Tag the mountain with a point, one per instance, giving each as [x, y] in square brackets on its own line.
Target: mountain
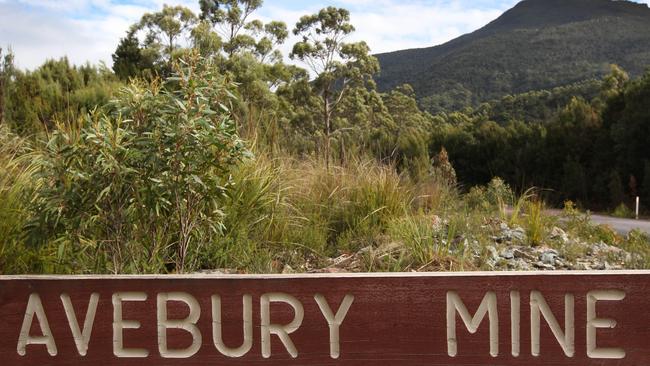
[538, 44]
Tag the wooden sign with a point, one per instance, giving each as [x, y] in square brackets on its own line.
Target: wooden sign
[579, 318]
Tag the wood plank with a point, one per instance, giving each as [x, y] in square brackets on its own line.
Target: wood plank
[392, 319]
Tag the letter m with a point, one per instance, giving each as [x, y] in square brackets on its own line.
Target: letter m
[488, 305]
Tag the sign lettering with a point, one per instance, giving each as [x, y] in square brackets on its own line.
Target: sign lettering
[400, 319]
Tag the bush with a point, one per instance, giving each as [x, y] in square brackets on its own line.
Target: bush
[623, 212]
[141, 189]
[495, 197]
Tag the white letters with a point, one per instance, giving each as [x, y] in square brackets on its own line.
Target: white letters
[515, 322]
[81, 338]
[566, 339]
[188, 324]
[289, 314]
[593, 323]
[35, 307]
[120, 324]
[282, 331]
[247, 315]
[488, 305]
[334, 321]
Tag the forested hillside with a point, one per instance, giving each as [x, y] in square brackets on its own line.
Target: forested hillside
[539, 44]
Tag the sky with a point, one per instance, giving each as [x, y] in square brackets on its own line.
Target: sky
[89, 30]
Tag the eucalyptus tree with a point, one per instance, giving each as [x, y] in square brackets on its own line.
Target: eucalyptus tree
[232, 20]
[248, 51]
[163, 29]
[336, 64]
[6, 72]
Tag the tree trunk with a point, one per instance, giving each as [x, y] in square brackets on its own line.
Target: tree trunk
[327, 131]
[171, 50]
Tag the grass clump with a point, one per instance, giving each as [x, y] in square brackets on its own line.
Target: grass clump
[18, 165]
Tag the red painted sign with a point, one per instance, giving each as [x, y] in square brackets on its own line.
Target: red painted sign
[579, 318]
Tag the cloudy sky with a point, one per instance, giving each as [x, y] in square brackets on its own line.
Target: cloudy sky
[89, 30]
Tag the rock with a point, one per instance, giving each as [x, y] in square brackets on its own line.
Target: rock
[559, 234]
[341, 261]
[330, 270]
[549, 257]
[602, 248]
[544, 266]
[218, 271]
[598, 266]
[612, 267]
[518, 234]
[507, 254]
[521, 253]
[388, 248]
[287, 269]
[580, 266]
[507, 234]
[364, 250]
[494, 255]
[519, 264]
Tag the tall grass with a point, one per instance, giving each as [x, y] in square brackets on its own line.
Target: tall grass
[17, 185]
[282, 211]
[353, 203]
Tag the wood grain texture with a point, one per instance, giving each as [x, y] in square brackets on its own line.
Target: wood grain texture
[396, 319]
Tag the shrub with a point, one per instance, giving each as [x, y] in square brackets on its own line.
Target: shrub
[624, 212]
[17, 185]
[141, 189]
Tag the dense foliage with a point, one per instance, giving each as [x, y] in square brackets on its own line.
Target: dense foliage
[144, 184]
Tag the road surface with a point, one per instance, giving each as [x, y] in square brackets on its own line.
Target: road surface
[622, 226]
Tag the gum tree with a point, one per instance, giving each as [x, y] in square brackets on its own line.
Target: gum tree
[232, 21]
[164, 28]
[6, 72]
[336, 64]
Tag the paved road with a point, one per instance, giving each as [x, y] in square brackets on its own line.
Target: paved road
[622, 226]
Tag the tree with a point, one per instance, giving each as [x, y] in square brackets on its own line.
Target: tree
[164, 28]
[247, 50]
[614, 83]
[442, 168]
[129, 60]
[230, 18]
[616, 190]
[237, 34]
[574, 180]
[6, 74]
[336, 64]
[408, 138]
